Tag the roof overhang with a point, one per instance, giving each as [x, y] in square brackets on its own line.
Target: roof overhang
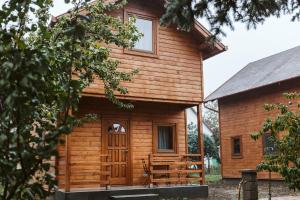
[209, 49]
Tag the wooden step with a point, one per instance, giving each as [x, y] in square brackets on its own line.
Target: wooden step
[136, 197]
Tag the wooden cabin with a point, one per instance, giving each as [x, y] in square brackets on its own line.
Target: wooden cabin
[148, 144]
[241, 111]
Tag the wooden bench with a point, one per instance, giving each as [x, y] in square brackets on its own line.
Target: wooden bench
[174, 168]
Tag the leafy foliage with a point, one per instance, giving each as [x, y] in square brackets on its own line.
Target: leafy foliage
[43, 73]
[285, 133]
[192, 138]
[210, 147]
[220, 13]
[211, 119]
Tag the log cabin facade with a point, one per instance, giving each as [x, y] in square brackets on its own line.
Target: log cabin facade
[241, 113]
[114, 149]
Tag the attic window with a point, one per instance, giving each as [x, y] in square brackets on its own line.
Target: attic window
[147, 25]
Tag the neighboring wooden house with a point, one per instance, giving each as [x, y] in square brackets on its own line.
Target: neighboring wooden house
[111, 150]
[241, 112]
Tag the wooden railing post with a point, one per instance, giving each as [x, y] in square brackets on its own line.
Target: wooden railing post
[105, 171]
[151, 170]
[108, 160]
[67, 163]
[200, 140]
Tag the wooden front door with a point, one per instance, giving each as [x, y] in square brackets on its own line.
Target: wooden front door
[115, 143]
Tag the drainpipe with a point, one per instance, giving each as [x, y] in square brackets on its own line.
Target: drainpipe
[208, 108]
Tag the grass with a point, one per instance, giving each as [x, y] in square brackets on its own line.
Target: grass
[212, 178]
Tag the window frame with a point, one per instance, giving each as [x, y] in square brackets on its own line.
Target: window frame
[235, 155]
[263, 144]
[146, 16]
[155, 138]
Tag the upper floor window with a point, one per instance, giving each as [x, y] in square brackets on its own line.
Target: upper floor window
[147, 25]
[144, 26]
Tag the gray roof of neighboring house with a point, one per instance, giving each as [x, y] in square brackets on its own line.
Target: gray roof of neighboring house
[276, 68]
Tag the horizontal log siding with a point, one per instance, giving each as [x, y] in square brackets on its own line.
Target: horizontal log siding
[175, 75]
[243, 115]
[86, 140]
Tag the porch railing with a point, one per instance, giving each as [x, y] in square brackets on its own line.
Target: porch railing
[105, 170]
[175, 169]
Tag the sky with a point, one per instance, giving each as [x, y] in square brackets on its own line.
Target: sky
[244, 46]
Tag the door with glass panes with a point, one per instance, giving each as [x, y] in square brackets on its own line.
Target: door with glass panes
[115, 140]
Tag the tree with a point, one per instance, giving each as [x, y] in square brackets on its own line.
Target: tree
[284, 131]
[193, 138]
[220, 13]
[211, 119]
[210, 147]
[43, 73]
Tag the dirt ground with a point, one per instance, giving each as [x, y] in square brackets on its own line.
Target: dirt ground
[228, 191]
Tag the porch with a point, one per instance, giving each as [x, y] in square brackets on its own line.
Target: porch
[146, 147]
[165, 176]
[135, 192]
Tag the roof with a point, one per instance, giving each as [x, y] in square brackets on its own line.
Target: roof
[209, 50]
[273, 69]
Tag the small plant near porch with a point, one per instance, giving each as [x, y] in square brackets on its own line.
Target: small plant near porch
[43, 72]
[284, 132]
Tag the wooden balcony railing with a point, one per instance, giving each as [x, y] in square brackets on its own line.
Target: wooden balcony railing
[175, 169]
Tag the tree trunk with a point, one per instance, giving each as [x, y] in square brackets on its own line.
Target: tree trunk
[208, 165]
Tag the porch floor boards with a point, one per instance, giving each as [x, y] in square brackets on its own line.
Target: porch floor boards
[121, 187]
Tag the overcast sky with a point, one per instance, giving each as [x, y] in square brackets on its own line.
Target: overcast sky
[244, 46]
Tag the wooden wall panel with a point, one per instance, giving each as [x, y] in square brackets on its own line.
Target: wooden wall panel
[243, 115]
[86, 140]
[175, 75]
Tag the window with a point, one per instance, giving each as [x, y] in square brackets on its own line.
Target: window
[236, 147]
[269, 146]
[147, 25]
[164, 138]
[116, 128]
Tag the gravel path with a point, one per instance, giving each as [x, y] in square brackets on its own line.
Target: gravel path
[223, 191]
[284, 198]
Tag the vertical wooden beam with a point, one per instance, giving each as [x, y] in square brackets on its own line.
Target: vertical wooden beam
[186, 132]
[200, 140]
[220, 139]
[199, 121]
[67, 162]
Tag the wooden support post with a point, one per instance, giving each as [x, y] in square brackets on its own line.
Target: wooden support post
[151, 171]
[200, 140]
[186, 132]
[67, 162]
